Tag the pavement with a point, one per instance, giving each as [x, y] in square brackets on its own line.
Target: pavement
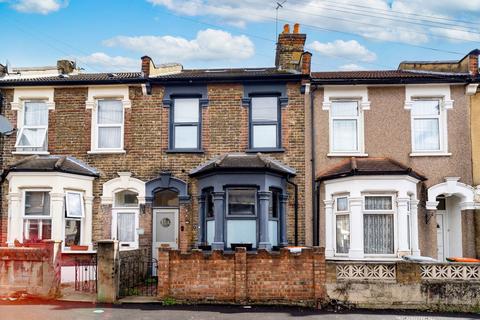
[58, 310]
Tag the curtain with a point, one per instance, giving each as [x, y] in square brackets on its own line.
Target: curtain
[425, 107]
[186, 110]
[186, 137]
[110, 112]
[265, 109]
[378, 233]
[426, 134]
[344, 108]
[126, 227]
[378, 203]
[109, 137]
[36, 114]
[345, 135]
[265, 136]
[242, 231]
[343, 233]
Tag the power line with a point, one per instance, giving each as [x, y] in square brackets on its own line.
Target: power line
[389, 13]
[376, 25]
[392, 13]
[382, 16]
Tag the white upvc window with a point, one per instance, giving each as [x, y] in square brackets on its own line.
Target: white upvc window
[37, 219]
[32, 135]
[186, 124]
[108, 126]
[346, 127]
[428, 126]
[379, 224]
[265, 123]
[74, 214]
[342, 225]
[125, 219]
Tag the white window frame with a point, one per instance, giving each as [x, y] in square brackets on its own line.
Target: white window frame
[96, 126]
[360, 151]
[340, 213]
[21, 123]
[81, 204]
[394, 214]
[175, 124]
[28, 217]
[119, 210]
[442, 127]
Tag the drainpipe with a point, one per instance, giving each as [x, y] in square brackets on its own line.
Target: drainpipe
[315, 213]
[295, 206]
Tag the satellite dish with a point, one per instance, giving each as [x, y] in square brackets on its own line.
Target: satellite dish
[6, 127]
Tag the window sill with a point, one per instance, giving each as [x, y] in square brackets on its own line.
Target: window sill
[352, 154]
[184, 151]
[68, 251]
[106, 152]
[31, 152]
[265, 150]
[430, 154]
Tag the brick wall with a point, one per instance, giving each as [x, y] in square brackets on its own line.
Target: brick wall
[224, 129]
[262, 277]
[35, 271]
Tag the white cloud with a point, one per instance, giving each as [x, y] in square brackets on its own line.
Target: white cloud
[208, 45]
[102, 62]
[38, 6]
[376, 19]
[343, 49]
[351, 67]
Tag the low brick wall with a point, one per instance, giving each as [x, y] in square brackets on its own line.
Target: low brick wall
[404, 285]
[34, 271]
[241, 277]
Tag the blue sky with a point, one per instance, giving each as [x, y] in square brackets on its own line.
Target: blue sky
[112, 35]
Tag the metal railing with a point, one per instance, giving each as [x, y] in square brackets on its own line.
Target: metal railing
[86, 275]
[138, 277]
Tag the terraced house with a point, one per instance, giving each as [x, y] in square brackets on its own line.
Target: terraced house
[162, 157]
[393, 161]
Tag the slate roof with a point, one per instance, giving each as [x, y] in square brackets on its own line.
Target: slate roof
[242, 161]
[367, 166]
[387, 77]
[74, 79]
[64, 164]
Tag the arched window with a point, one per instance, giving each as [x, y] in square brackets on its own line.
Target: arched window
[165, 198]
[126, 198]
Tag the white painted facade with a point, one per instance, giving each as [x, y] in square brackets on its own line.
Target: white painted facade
[403, 188]
[57, 184]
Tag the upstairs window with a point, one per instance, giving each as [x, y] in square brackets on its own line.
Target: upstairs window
[265, 123]
[32, 136]
[427, 126]
[345, 127]
[185, 129]
[109, 125]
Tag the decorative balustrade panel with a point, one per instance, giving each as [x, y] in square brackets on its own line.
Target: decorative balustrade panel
[450, 272]
[366, 272]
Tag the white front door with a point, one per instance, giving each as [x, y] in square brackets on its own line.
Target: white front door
[441, 235]
[165, 229]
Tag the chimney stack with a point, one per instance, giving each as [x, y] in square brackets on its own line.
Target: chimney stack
[66, 66]
[290, 53]
[146, 62]
[473, 66]
[3, 70]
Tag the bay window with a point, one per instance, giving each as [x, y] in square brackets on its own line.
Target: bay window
[427, 125]
[241, 216]
[342, 225]
[74, 214]
[345, 126]
[265, 123]
[32, 135]
[209, 215]
[273, 215]
[185, 124]
[378, 224]
[109, 125]
[37, 218]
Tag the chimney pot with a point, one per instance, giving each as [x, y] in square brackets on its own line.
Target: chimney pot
[296, 28]
[286, 28]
